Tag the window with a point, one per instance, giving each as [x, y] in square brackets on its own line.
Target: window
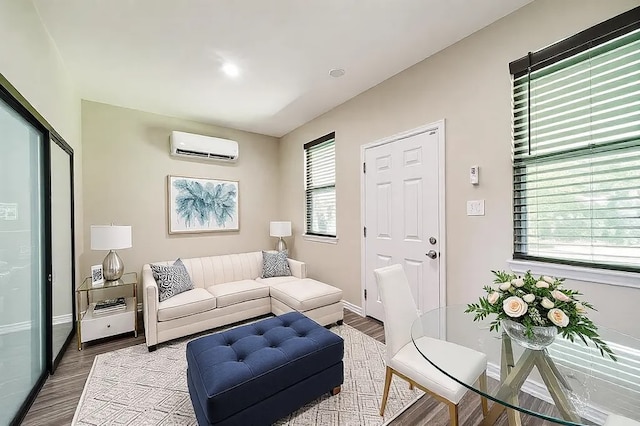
[320, 174]
[576, 148]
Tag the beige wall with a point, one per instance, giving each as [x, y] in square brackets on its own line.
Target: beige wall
[468, 85]
[29, 60]
[126, 163]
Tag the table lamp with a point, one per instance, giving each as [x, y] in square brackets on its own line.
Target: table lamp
[111, 237]
[280, 229]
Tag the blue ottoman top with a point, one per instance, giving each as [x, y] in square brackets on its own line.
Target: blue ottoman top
[235, 369]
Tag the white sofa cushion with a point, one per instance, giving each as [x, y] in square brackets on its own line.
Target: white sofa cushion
[238, 291]
[306, 294]
[184, 304]
[277, 280]
[207, 271]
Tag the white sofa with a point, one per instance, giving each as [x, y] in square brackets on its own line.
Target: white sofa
[227, 289]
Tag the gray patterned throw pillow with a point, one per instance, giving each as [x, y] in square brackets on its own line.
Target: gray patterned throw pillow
[171, 280]
[275, 264]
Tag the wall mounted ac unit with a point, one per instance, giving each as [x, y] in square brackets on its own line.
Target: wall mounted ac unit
[206, 147]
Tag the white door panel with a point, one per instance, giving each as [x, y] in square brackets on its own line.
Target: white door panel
[401, 214]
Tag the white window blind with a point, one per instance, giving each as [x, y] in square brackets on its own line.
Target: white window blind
[320, 179]
[576, 157]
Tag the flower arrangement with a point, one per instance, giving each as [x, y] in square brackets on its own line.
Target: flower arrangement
[538, 302]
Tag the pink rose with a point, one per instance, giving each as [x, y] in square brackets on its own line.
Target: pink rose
[517, 282]
[560, 296]
[542, 284]
[514, 307]
[546, 303]
[558, 317]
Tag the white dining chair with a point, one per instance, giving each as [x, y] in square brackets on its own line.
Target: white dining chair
[404, 360]
[615, 420]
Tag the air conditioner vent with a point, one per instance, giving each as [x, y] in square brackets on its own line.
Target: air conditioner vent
[204, 147]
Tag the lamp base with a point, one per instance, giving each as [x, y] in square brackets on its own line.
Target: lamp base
[112, 266]
[281, 245]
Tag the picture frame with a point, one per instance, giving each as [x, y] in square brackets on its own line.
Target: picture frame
[97, 277]
[198, 205]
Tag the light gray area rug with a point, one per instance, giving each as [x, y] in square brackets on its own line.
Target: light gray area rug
[134, 387]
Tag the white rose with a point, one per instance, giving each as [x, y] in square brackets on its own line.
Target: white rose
[518, 282]
[550, 280]
[560, 296]
[542, 284]
[546, 303]
[493, 297]
[505, 286]
[558, 317]
[580, 308]
[495, 287]
[529, 298]
[514, 306]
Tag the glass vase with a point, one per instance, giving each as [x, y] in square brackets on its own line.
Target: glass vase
[541, 338]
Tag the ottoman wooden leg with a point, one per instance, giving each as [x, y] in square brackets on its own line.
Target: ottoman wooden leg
[335, 391]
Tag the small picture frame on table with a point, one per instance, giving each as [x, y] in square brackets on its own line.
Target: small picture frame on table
[97, 278]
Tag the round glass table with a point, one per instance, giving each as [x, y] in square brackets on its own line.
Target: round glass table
[582, 386]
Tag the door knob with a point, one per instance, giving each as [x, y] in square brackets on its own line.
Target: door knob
[432, 254]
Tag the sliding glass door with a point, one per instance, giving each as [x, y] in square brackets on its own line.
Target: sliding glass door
[22, 268]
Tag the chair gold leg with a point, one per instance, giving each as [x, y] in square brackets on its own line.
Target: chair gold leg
[483, 387]
[410, 386]
[453, 413]
[387, 385]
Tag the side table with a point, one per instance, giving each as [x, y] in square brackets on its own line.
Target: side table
[92, 326]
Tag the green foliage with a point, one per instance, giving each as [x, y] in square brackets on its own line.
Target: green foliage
[546, 297]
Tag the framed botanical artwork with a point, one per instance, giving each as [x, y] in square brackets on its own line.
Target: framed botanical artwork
[202, 205]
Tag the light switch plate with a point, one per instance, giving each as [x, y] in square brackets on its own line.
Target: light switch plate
[475, 208]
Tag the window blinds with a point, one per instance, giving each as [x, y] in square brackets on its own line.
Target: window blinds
[321, 186]
[576, 157]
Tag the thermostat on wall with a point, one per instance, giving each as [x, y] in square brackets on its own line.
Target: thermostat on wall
[474, 175]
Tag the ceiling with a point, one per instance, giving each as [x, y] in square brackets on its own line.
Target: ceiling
[165, 56]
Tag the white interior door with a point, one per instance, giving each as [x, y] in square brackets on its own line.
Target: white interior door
[402, 217]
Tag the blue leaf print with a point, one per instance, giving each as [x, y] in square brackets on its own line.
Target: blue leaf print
[200, 203]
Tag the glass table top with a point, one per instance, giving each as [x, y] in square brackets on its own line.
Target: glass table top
[126, 280]
[587, 388]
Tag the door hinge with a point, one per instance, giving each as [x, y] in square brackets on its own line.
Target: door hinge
[365, 294]
[364, 167]
[365, 232]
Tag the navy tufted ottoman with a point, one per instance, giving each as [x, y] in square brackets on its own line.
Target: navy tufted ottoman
[260, 372]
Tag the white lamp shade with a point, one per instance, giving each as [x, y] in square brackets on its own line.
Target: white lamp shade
[280, 229]
[110, 237]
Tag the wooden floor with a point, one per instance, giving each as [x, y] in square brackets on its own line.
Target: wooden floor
[57, 401]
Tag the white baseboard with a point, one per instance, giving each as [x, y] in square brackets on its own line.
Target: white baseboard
[539, 390]
[353, 308]
[62, 319]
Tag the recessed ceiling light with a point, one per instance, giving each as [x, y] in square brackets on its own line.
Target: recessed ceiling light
[336, 72]
[230, 69]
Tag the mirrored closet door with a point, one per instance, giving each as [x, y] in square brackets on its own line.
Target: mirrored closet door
[62, 253]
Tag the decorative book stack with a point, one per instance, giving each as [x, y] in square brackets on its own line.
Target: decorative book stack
[109, 306]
